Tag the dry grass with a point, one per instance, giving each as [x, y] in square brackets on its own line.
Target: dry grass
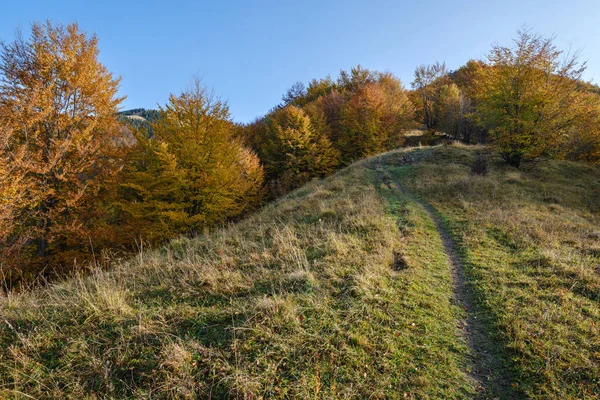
[301, 300]
[339, 290]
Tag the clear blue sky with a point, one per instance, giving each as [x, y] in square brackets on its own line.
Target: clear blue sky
[250, 52]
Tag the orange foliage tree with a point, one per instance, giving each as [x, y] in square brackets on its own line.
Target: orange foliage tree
[58, 108]
[374, 118]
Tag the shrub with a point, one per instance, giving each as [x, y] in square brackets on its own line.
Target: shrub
[480, 165]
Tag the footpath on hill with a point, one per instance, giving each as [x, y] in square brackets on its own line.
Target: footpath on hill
[486, 368]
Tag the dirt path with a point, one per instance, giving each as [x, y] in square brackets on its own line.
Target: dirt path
[492, 378]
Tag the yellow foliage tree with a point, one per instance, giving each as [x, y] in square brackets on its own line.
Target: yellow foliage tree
[58, 108]
[450, 109]
[191, 173]
[530, 100]
[295, 150]
[583, 141]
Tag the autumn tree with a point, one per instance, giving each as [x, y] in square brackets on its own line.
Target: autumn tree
[467, 78]
[318, 88]
[294, 150]
[449, 109]
[529, 100]
[191, 173]
[12, 198]
[374, 118]
[300, 95]
[427, 84]
[252, 134]
[58, 107]
[294, 95]
[355, 79]
[583, 139]
[328, 121]
[332, 104]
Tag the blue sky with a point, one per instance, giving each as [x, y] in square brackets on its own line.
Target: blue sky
[251, 52]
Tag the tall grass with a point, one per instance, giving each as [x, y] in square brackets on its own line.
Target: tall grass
[339, 290]
[302, 300]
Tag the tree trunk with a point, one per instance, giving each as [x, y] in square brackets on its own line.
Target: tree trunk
[42, 245]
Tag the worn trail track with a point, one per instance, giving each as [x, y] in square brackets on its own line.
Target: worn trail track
[492, 379]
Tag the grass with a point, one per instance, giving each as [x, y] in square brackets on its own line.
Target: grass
[338, 290]
[530, 241]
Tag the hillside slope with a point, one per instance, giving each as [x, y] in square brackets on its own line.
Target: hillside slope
[342, 289]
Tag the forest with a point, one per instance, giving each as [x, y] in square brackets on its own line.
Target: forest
[82, 184]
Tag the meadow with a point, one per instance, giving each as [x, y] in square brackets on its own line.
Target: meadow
[340, 289]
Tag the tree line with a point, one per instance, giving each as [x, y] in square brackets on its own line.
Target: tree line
[527, 101]
[79, 182]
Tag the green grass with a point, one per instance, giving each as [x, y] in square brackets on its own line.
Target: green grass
[338, 290]
[530, 241]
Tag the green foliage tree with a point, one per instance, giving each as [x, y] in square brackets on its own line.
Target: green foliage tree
[295, 95]
[355, 79]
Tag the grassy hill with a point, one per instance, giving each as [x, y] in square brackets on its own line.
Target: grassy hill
[402, 276]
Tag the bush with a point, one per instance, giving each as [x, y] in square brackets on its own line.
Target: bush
[480, 165]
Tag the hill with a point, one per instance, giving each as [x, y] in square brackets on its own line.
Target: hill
[140, 114]
[401, 276]
[139, 117]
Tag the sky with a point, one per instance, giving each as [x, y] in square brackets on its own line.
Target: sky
[251, 52]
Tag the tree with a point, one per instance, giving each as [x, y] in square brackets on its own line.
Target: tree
[318, 88]
[468, 78]
[12, 198]
[58, 107]
[253, 134]
[529, 100]
[426, 83]
[449, 109]
[583, 141]
[356, 79]
[331, 104]
[374, 118]
[363, 133]
[294, 151]
[192, 173]
[294, 94]
[398, 109]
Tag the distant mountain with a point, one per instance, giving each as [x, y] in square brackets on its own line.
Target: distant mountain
[137, 113]
[139, 117]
